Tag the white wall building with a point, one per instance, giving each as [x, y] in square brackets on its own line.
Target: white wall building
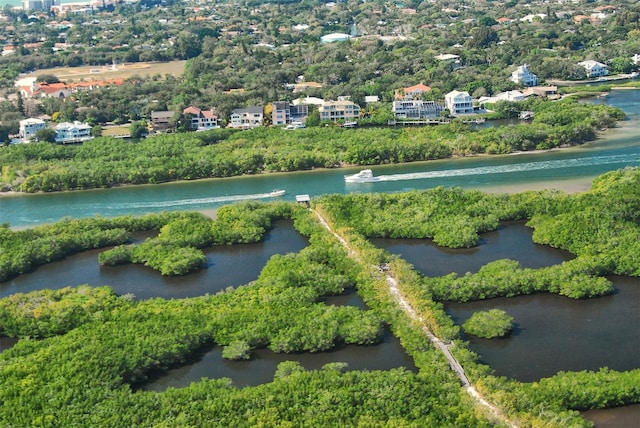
[202, 120]
[76, 132]
[29, 127]
[417, 109]
[246, 118]
[339, 110]
[524, 77]
[594, 68]
[458, 102]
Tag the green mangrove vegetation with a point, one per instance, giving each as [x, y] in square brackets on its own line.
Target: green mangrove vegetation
[489, 324]
[84, 352]
[87, 374]
[106, 162]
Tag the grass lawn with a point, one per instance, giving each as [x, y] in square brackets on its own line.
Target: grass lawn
[124, 71]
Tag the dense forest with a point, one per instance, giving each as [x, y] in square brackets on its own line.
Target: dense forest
[105, 162]
[85, 351]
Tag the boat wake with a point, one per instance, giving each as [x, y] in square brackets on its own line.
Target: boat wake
[625, 160]
[193, 202]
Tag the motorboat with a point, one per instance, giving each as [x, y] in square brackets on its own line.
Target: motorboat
[364, 176]
[277, 192]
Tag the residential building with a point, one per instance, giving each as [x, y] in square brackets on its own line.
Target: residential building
[76, 132]
[29, 127]
[417, 109]
[458, 102]
[309, 101]
[285, 113]
[452, 59]
[512, 96]
[202, 120]
[42, 90]
[541, 91]
[594, 68]
[339, 110]
[524, 77]
[162, 121]
[246, 118]
[635, 59]
[412, 92]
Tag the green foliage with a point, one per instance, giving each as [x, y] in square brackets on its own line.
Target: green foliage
[489, 324]
[237, 350]
[48, 313]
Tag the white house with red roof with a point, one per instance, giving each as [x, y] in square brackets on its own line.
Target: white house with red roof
[202, 120]
[412, 92]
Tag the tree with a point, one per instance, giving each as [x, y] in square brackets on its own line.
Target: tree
[47, 78]
[46, 134]
[138, 129]
[314, 118]
[96, 131]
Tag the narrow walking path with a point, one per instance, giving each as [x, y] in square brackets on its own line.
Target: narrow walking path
[445, 348]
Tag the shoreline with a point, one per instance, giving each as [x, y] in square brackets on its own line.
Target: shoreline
[13, 193]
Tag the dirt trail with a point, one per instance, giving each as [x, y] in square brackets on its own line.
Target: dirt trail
[445, 348]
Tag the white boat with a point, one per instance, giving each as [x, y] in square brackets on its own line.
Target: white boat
[364, 176]
[275, 193]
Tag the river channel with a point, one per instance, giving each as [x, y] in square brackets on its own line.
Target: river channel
[617, 148]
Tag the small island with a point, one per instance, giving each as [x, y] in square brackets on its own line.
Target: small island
[489, 324]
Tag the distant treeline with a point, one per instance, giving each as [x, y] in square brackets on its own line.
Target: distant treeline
[103, 162]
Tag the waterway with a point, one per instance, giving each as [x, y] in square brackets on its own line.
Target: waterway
[228, 265]
[260, 369]
[568, 168]
[553, 333]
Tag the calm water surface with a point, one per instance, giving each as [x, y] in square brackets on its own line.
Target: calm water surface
[384, 356]
[553, 333]
[229, 265]
[619, 417]
[511, 241]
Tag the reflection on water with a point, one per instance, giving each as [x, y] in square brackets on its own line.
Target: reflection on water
[555, 333]
[228, 265]
[7, 342]
[384, 356]
[619, 417]
[511, 241]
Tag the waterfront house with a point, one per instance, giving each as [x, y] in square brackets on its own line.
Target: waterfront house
[594, 68]
[76, 132]
[285, 113]
[339, 110]
[458, 102]
[201, 120]
[247, 118]
[549, 91]
[29, 127]
[417, 109]
[161, 121]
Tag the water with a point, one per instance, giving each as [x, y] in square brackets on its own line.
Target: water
[228, 265]
[617, 149]
[619, 417]
[511, 241]
[555, 333]
[386, 355]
